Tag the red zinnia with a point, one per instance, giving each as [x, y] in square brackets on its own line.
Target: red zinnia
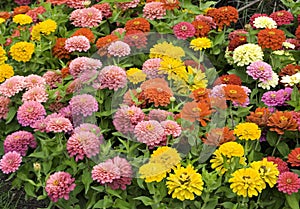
[21, 10]
[288, 182]
[235, 93]
[271, 38]
[85, 32]
[228, 79]
[138, 24]
[4, 15]
[223, 16]
[59, 50]
[290, 69]
[202, 28]
[297, 33]
[282, 121]
[294, 157]
[170, 4]
[201, 95]
[237, 41]
[282, 17]
[136, 38]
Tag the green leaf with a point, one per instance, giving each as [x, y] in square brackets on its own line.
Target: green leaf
[146, 200]
[121, 204]
[98, 188]
[293, 200]
[114, 192]
[38, 155]
[106, 202]
[283, 148]
[86, 180]
[29, 189]
[11, 114]
[272, 138]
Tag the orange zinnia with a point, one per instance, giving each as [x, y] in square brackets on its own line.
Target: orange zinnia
[201, 95]
[218, 103]
[21, 10]
[218, 136]
[65, 72]
[4, 15]
[138, 24]
[193, 111]
[202, 28]
[59, 50]
[260, 116]
[271, 38]
[223, 16]
[103, 43]
[294, 157]
[297, 33]
[85, 32]
[235, 93]
[290, 69]
[170, 4]
[228, 79]
[282, 121]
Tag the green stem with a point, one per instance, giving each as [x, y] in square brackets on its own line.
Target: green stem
[278, 141]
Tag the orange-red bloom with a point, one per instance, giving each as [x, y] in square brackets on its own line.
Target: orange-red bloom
[297, 33]
[218, 136]
[59, 50]
[170, 4]
[85, 32]
[290, 69]
[237, 41]
[21, 10]
[271, 38]
[260, 116]
[282, 121]
[223, 16]
[228, 79]
[294, 157]
[4, 15]
[138, 24]
[103, 43]
[65, 72]
[193, 111]
[202, 28]
[201, 95]
[57, 2]
[235, 93]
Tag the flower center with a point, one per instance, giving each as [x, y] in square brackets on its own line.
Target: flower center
[280, 14]
[136, 22]
[298, 156]
[273, 95]
[271, 33]
[283, 118]
[150, 127]
[233, 91]
[183, 28]
[55, 182]
[196, 109]
[289, 181]
[130, 112]
[261, 68]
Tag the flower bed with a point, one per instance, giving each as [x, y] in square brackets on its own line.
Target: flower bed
[156, 104]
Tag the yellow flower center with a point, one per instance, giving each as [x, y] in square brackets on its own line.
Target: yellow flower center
[150, 127]
[261, 68]
[280, 14]
[273, 95]
[289, 181]
[271, 33]
[233, 91]
[196, 109]
[283, 118]
[130, 112]
[136, 22]
[55, 183]
[298, 157]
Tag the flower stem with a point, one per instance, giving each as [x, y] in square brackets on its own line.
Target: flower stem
[278, 141]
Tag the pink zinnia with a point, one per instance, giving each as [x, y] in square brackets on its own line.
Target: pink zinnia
[126, 118]
[66, 112]
[149, 132]
[288, 182]
[209, 20]
[171, 128]
[59, 185]
[32, 81]
[30, 112]
[59, 124]
[184, 30]
[77, 43]
[296, 116]
[76, 4]
[154, 10]
[33, 13]
[159, 115]
[10, 162]
[84, 104]
[87, 17]
[12, 86]
[81, 64]
[112, 77]
[104, 8]
[40, 125]
[4, 107]
[127, 5]
[90, 128]
[106, 172]
[237, 33]
[22, 2]
[118, 49]
[151, 66]
[37, 94]
[281, 165]
[260, 70]
[282, 17]
[52, 77]
[125, 174]
[19, 141]
[83, 143]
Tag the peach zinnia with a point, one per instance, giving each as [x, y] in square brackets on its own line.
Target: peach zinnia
[282, 121]
[193, 111]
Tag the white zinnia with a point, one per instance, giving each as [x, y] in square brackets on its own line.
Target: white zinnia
[264, 22]
[291, 80]
[270, 83]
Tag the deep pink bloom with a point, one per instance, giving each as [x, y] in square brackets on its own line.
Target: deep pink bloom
[288, 182]
[87, 17]
[154, 10]
[59, 124]
[281, 165]
[126, 118]
[127, 5]
[282, 17]
[77, 43]
[104, 8]
[33, 13]
[149, 132]
[37, 94]
[296, 116]
[118, 49]
[52, 77]
[151, 66]
[66, 112]
[159, 115]
[171, 128]
[40, 125]
[4, 107]
[260, 70]
[19, 141]
[84, 104]
[33, 80]
[76, 4]
[82, 64]
[10, 162]
[111, 77]
[106, 172]
[59, 185]
[237, 33]
[273, 98]
[22, 2]
[30, 112]
[12, 86]
[184, 30]
[125, 174]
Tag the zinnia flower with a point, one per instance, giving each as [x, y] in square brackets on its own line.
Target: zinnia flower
[4, 106]
[10, 162]
[12, 86]
[59, 124]
[281, 165]
[151, 66]
[6, 71]
[59, 49]
[85, 32]
[159, 115]
[288, 182]
[22, 19]
[282, 121]
[260, 70]
[52, 77]
[294, 157]
[83, 105]
[153, 172]
[246, 182]
[136, 38]
[253, 17]
[282, 17]
[193, 111]
[127, 5]
[184, 30]
[19, 141]
[228, 79]
[138, 23]
[231, 149]
[76, 4]
[270, 83]
[46, 27]
[22, 51]
[59, 185]
[260, 116]
[246, 54]
[30, 112]
[135, 75]
[247, 131]
[271, 38]
[223, 16]
[154, 10]
[22, 2]
[106, 172]
[32, 81]
[105, 9]
[199, 44]
[219, 136]
[80, 65]
[264, 22]
[185, 183]
[37, 94]
[235, 93]
[87, 17]
[3, 57]
[171, 128]
[118, 49]
[201, 28]
[77, 43]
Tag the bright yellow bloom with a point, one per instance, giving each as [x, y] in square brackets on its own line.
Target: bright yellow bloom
[184, 183]
[247, 131]
[231, 149]
[2, 20]
[22, 51]
[246, 182]
[199, 79]
[3, 56]
[136, 75]
[167, 156]
[22, 19]
[199, 44]
[153, 172]
[6, 71]
[267, 170]
[46, 27]
[174, 68]
[166, 49]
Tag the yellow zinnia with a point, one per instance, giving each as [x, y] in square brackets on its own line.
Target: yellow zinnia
[267, 170]
[166, 49]
[3, 56]
[6, 71]
[184, 183]
[2, 20]
[46, 27]
[22, 51]
[136, 75]
[174, 68]
[247, 131]
[199, 44]
[231, 149]
[167, 156]
[199, 79]
[153, 172]
[22, 19]
[246, 182]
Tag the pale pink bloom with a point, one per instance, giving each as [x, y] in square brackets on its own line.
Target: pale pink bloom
[4, 107]
[128, 5]
[77, 43]
[30, 112]
[104, 8]
[10, 162]
[159, 115]
[151, 67]
[76, 4]
[171, 128]
[118, 49]
[82, 64]
[52, 78]
[106, 172]
[12, 86]
[87, 17]
[154, 10]
[37, 94]
[209, 20]
[32, 81]
[59, 124]
[84, 104]
[90, 128]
